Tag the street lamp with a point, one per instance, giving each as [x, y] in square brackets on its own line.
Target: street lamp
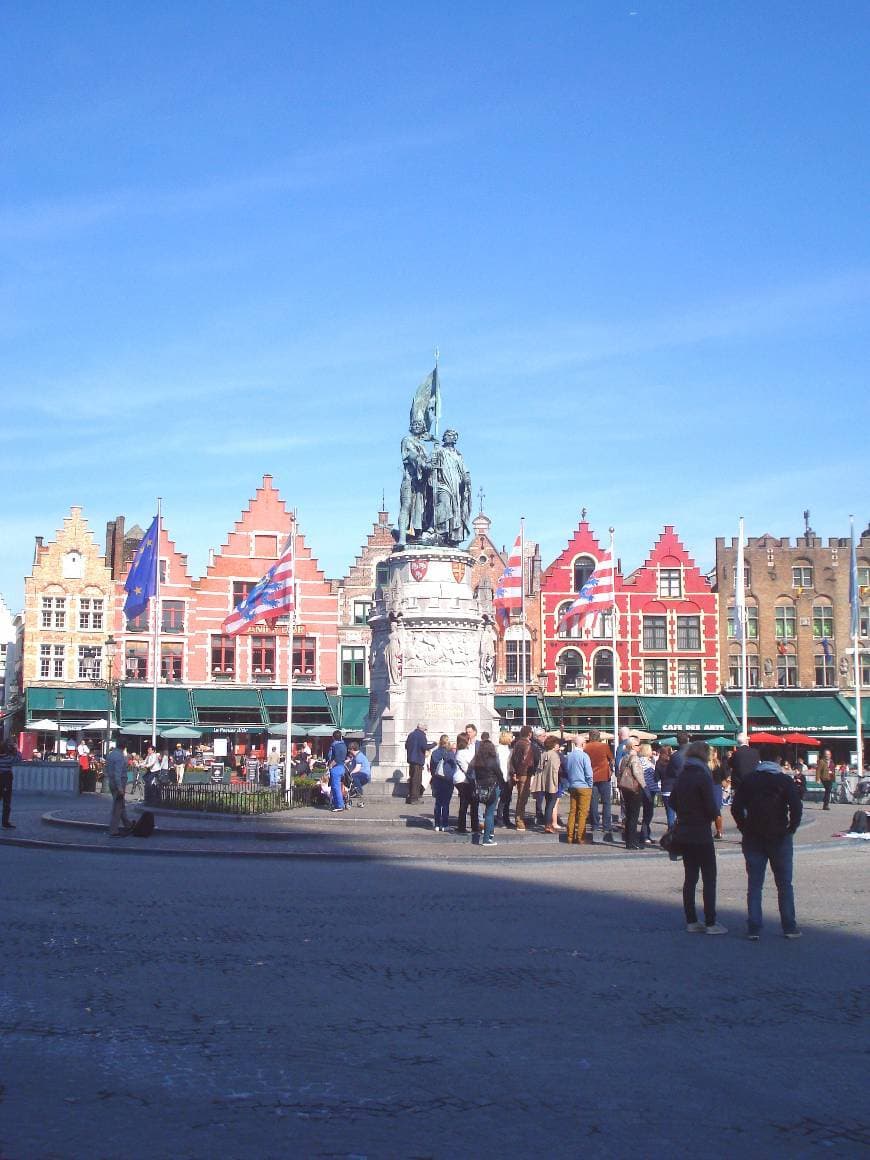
[109, 683]
[58, 702]
[561, 673]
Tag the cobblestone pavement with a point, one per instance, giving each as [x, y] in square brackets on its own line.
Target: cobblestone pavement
[420, 1004]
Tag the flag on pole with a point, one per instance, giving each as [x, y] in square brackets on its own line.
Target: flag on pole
[740, 592]
[854, 591]
[141, 582]
[509, 591]
[595, 595]
[274, 595]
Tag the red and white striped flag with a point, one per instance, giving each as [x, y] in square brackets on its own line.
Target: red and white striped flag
[509, 592]
[274, 595]
[595, 595]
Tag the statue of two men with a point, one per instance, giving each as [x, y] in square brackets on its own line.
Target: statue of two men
[435, 495]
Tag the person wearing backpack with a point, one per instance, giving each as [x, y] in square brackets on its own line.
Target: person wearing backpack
[767, 809]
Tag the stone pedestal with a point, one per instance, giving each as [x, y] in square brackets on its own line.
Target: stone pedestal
[432, 655]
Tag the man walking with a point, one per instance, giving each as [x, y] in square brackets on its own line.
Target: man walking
[598, 752]
[116, 772]
[767, 809]
[179, 760]
[416, 748]
[520, 766]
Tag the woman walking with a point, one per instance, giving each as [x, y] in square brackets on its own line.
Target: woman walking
[694, 802]
[442, 763]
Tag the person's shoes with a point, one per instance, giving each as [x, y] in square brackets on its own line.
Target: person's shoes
[753, 936]
[716, 928]
[608, 837]
[695, 928]
[359, 805]
[793, 933]
[9, 826]
[540, 822]
[718, 837]
[489, 842]
[338, 809]
[826, 807]
[521, 826]
[549, 830]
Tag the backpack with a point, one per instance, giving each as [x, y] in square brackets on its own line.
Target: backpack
[537, 754]
[766, 815]
[143, 827]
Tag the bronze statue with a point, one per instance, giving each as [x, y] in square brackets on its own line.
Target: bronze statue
[452, 487]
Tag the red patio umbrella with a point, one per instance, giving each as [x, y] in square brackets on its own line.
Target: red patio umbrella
[766, 739]
[801, 739]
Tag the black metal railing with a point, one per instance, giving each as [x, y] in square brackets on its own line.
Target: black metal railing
[217, 799]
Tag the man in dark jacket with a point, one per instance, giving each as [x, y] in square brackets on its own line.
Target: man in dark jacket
[692, 799]
[416, 748]
[9, 756]
[767, 809]
[743, 760]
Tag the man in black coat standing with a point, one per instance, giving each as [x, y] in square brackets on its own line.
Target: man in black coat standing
[743, 761]
[416, 748]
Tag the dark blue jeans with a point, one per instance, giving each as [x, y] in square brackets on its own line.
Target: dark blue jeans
[779, 852]
[601, 794]
[442, 788]
[489, 815]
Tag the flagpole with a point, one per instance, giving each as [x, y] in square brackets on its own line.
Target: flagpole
[856, 618]
[740, 608]
[525, 676]
[155, 673]
[291, 624]
[613, 634]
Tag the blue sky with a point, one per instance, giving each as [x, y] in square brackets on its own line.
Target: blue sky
[231, 235]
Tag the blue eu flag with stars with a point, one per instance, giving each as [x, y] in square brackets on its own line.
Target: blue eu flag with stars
[141, 584]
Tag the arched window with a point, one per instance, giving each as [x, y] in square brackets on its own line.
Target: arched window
[569, 669]
[573, 629]
[584, 566]
[602, 669]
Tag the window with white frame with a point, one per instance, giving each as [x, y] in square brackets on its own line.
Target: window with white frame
[51, 661]
[785, 622]
[751, 621]
[655, 677]
[746, 578]
[826, 670]
[786, 671]
[584, 566]
[802, 576]
[54, 612]
[689, 678]
[136, 660]
[823, 621]
[382, 574]
[688, 633]
[139, 623]
[570, 662]
[655, 633]
[516, 656]
[304, 657]
[223, 656]
[90, 614]
[602, 670]
[735, 675]
[171, 660]
[670, 582]
[571, 629]
[864, 620]
[263, 658]
[90, 658]
[602, 625]
[172, 616]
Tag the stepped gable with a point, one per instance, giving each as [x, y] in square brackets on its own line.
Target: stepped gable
[667, 552]
[557, 575]
[489, 562]
[265, 513]
[379, 543]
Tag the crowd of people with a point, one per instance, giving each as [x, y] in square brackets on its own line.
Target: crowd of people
[693, 782]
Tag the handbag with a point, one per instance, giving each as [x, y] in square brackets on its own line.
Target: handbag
[439, 768]
[627, 779]
[486, 796]
[459, 777]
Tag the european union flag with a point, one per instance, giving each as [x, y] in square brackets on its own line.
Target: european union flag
[141, 583]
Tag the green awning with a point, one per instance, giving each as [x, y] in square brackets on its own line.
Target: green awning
[173, 705]
[40, 701]
[232, 708]
[593, 712]
[761, 710]
[510, 709]
[310, 706]
[817, 713]
[354, 710]
[865, 709]
[688, 714]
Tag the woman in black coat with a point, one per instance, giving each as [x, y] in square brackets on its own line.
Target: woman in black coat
[694, 803]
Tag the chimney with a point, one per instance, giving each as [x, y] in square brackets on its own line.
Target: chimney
[37, 550]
